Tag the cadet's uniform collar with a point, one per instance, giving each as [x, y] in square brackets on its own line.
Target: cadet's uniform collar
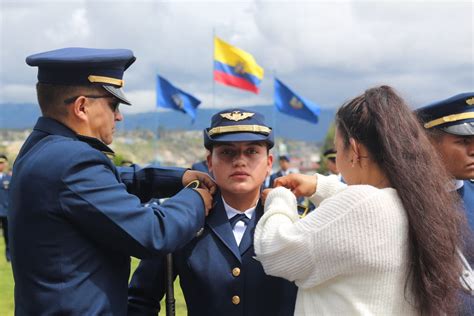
[52, 126]
[458, 184]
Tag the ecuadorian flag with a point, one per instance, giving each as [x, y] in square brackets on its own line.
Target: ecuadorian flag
[235, 67]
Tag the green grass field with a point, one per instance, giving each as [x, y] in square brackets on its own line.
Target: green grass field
[6, 287]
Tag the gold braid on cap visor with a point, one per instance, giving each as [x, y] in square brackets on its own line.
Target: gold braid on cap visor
[109, 80]
[239, 128]
[449, 118]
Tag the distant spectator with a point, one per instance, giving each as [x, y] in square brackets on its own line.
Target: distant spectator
[331, 164]
[284, 162]
[4, 184]
[330, 157]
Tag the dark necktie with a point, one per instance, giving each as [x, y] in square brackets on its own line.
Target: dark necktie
[239, 217]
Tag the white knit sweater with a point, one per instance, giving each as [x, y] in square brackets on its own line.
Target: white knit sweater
[348, 257]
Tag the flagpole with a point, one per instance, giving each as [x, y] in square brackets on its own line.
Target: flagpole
[274, 120]
[158, 136]
[213, 81]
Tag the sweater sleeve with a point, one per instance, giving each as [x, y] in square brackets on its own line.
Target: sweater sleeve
[327, 187]
[330, 241]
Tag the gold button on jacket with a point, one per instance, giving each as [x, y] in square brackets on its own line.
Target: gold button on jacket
[235, 299]
[236, 272]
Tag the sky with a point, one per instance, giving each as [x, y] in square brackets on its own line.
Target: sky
[326, 51]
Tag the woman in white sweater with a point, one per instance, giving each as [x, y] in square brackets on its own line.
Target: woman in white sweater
[383, 245]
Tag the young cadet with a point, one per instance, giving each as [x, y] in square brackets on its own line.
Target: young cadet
[450, 126]
[217, 270]
[75, 220]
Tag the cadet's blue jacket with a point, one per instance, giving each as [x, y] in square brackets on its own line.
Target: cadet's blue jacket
[467, 194]
[4, 185]
[74, 223]
[213, 272]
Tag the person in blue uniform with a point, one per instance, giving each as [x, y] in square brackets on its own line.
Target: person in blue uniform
[75, 219]
[284, 162]
[4, 184]
[450, 125]
[217, 270]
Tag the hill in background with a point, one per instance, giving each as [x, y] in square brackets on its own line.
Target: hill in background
[23, 116]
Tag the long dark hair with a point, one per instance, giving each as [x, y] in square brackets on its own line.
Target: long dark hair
[381, 121]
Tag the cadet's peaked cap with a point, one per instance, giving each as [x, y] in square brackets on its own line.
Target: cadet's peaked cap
[83, 66]
[454, 115]
[237, 125]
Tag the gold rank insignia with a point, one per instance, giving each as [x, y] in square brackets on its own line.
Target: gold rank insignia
[470, 101]
[237, 115]
[295, 103]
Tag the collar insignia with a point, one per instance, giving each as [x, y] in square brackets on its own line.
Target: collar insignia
[237, 115]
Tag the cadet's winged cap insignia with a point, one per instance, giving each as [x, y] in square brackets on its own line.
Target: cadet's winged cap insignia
[237, 115]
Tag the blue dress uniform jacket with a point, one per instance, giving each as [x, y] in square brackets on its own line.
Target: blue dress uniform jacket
[467, 194]
[217, 276]
[4, 185]
[74, 226]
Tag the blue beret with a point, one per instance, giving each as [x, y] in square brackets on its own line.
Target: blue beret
[237, 125]
[84, 66]
[454, 115]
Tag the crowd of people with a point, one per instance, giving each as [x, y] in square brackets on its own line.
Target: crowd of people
[390, 234]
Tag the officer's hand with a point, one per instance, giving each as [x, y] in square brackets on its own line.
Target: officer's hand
[299, 184]
[205, 181]
[207, 198]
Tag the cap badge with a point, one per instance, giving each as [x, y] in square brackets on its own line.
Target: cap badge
[295, 103]
[237, 115]
[470, 101]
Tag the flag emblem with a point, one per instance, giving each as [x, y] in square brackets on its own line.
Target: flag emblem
[295, 103]
[177, 100]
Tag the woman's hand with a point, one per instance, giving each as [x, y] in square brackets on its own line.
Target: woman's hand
[299, 184]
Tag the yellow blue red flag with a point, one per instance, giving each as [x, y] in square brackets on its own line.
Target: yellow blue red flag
[235, 67]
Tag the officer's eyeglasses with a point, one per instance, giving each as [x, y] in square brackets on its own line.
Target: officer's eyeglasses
[113, 106]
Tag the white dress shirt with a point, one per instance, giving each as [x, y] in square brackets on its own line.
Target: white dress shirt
[239, 228]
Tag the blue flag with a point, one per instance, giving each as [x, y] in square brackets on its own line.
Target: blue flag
[168, 96]
[292, 104]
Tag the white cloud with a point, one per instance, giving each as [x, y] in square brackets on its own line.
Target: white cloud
[326, 51]
[9, 93]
